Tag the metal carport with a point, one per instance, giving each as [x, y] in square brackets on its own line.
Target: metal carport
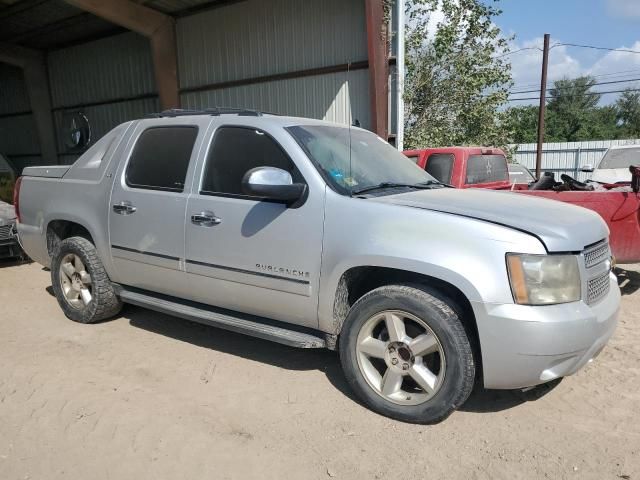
[71, 70]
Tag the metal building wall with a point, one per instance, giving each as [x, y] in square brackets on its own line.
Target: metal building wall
[18, 140]
[225, 45]
[567, 157]
[13, 91]
[109, 80]
[224, 55]
[336, 97]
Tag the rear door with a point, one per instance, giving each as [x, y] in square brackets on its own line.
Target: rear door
[148, 203]
[254, 256]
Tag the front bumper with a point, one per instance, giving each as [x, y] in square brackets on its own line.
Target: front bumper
[525, 345]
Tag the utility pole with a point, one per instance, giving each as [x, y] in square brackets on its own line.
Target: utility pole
[400, 74]
[543, 104]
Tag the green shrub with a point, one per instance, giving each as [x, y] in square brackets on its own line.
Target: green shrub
[6, 188]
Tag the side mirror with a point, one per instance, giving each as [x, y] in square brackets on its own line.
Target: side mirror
[587, 168]
[272, 183]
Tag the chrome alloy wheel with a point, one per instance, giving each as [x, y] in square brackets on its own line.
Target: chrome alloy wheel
[75, 281]
[400, 357]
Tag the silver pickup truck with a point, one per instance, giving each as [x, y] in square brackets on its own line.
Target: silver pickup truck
[318, 235]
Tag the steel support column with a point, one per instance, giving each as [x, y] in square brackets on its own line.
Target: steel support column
[378, 53]
[157, 27]
[32, 63]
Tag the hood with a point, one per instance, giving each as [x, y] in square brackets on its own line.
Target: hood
[612, 175]
[7, 214]
[562, 227]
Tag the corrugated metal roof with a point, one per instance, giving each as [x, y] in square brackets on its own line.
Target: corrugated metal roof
[82, 28]
[19, 24]
[50, 24]
[39, 15]
[177, 6]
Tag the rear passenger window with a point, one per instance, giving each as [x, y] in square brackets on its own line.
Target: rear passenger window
[440, 166]
[486, 169]
[161, 157]
[235, 151]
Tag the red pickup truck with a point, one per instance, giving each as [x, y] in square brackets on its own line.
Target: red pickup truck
[476, 167]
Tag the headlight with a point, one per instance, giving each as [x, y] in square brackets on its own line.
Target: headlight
[544, 279]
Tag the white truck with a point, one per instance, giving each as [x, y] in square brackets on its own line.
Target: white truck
[317, 235]
[614, 165]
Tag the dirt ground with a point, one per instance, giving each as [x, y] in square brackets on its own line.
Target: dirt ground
[147, 396]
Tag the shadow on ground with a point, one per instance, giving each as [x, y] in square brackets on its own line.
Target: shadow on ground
[628, 280]
[239, 345]
[289, 358]
[13, 262]
[483, 401]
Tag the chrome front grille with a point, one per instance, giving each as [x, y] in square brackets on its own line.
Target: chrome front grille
[598, 287]
[596, 254]
[6, 232]
[598, 266]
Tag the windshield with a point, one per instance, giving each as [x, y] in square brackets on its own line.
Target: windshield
[620, 158]
[520, 174]
[372, 161]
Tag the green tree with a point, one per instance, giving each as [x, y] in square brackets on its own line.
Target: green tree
[458, 81]
[628, 113]
[572, 111]
[572, 115]
[523, 122]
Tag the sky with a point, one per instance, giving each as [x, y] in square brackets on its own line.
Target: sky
[602, 23]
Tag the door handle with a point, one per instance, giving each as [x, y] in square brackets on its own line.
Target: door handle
[124, 208]
[205, 219]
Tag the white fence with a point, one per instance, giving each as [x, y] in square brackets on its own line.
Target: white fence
[567, 157]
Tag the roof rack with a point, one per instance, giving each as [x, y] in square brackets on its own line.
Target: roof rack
[180, 112]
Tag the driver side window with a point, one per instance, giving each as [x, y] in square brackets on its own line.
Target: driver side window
[236, 150]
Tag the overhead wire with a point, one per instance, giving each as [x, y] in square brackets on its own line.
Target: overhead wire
[583, 94]
[612, 74]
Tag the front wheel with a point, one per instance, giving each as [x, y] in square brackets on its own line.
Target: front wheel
[406, 354]
[82, 287]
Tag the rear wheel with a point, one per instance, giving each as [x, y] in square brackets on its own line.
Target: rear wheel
[405, 352]
[82, 287]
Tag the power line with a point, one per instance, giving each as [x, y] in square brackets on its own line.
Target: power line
[593, 47]
[621, 73]
[569, 86]
[583, 94]
[518, 50]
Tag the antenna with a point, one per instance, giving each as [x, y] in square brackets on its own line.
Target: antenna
[349, 120]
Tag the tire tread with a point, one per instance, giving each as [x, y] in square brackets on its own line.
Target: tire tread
[434, 299]
[106, 302]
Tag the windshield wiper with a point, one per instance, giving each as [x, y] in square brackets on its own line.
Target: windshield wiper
[383, 185]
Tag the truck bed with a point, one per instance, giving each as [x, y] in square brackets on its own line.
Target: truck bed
[51, 171]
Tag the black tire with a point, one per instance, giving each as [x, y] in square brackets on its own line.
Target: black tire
[438, 313]
[104, 301]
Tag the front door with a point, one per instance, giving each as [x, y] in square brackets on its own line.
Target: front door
[147, 208]
[245, 254]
